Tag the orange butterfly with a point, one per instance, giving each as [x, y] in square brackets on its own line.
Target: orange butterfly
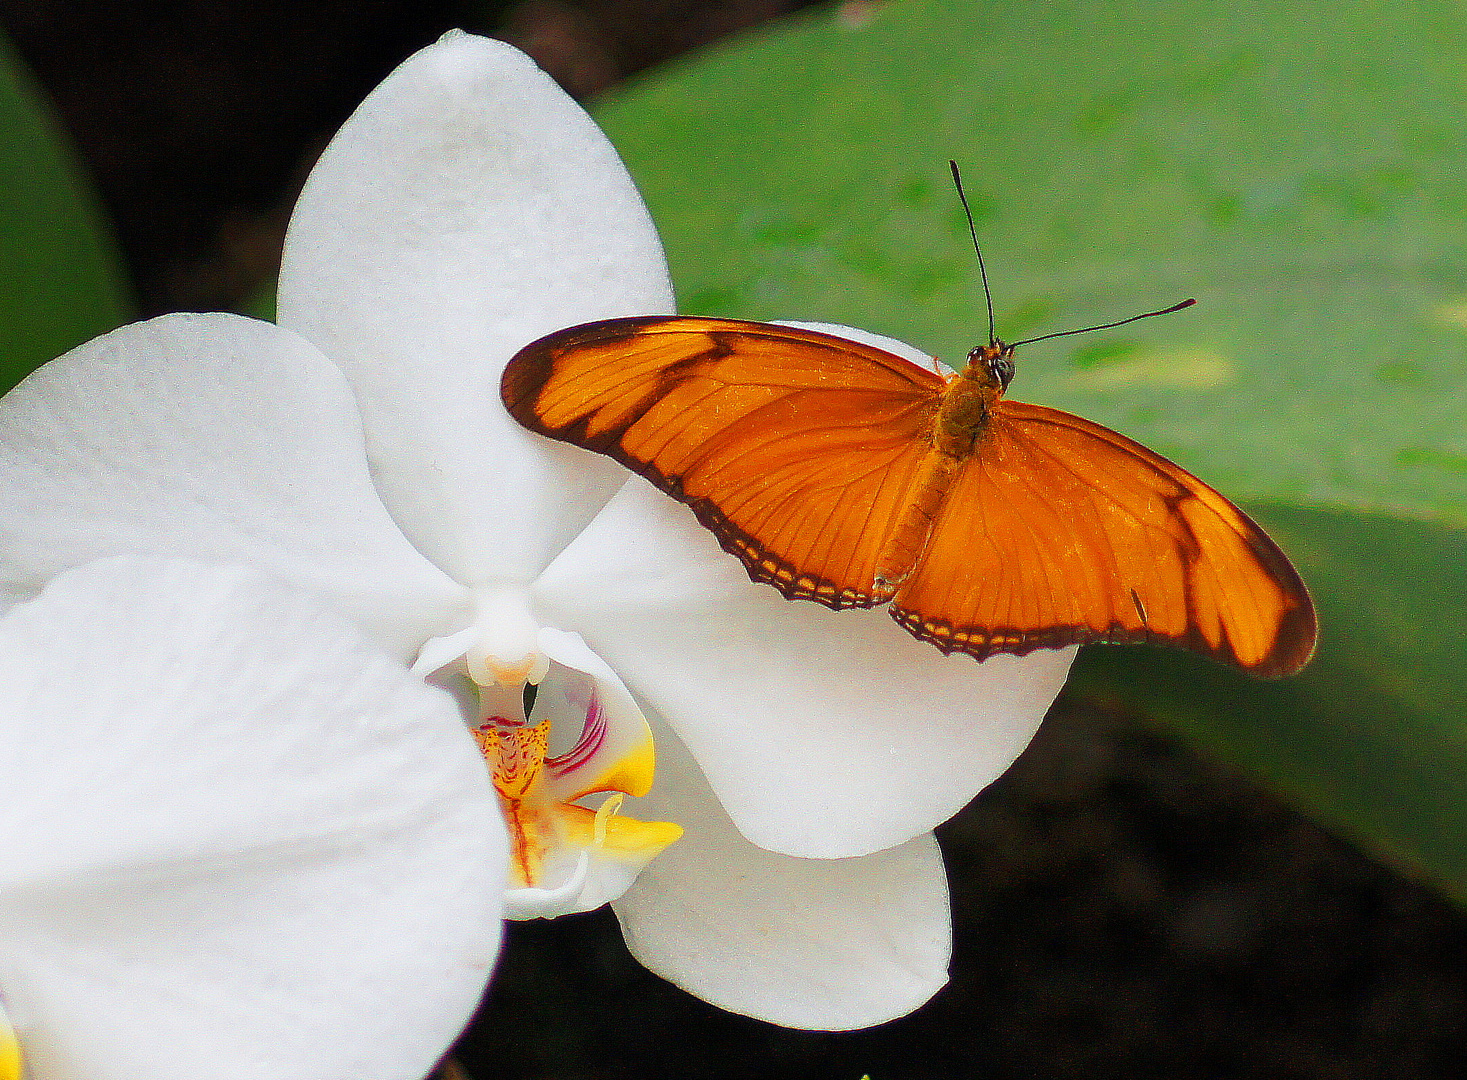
[841, 473]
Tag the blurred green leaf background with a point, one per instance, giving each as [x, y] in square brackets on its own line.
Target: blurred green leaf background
[61, 278]
[1296, 167]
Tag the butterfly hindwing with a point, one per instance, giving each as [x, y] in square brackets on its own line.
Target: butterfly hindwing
[1059, 531]
[796, 448]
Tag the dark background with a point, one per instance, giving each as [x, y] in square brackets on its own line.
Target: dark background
[1122, 908]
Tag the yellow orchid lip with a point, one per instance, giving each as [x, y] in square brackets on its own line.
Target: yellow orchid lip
[541, 821]
[616, 834]
[12, 1064]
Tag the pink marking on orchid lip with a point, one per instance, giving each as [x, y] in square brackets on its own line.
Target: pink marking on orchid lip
[501, 722]
[593, 735]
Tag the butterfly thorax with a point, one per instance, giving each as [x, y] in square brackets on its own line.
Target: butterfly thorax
[968, 400]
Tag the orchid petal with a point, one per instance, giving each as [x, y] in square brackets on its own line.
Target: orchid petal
[236, 840]
[808, 943]
[210, 437]
[880, 341]
[825, 734]
[468, 207]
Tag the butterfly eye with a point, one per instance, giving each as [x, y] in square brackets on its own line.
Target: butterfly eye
[996, 363]
[1001, 369]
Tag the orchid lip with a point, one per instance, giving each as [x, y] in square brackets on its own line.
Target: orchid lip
[12, 1061]
[591, 739]
[531, 901]
[594, 853]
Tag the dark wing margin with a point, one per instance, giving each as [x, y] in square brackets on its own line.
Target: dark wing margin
[1060, 531]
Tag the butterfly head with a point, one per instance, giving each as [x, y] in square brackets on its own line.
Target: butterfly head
[992, 365]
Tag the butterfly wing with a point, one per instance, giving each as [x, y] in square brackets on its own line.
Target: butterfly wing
[1058, 531]
[796, 448]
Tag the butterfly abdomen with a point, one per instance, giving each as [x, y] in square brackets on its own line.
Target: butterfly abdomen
[960, 420]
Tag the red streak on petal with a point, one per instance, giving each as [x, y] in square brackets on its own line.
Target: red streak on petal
[527, 847]
[593, 735]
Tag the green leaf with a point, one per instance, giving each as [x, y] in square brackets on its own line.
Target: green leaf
[63, 275]
[1371, 735]
[1295, 166]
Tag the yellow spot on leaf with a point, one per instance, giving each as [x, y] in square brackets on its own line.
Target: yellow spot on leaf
[1452, 313]
[1193, 369]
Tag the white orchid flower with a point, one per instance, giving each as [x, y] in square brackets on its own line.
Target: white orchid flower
[360, 451]
[236, 840]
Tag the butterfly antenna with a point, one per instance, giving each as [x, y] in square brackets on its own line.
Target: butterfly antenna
[1104, 326]
[973, 231]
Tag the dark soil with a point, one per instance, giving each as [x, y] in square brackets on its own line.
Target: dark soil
[1123, 909]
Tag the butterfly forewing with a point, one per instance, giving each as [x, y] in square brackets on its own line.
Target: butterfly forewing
[1060, 531]
[797, 449]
